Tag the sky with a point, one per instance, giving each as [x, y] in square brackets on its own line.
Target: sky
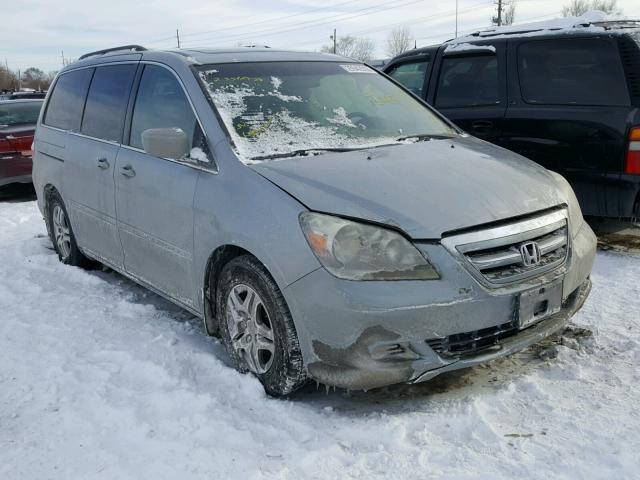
[40, 32]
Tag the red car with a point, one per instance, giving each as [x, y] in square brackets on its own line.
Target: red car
[18, 120]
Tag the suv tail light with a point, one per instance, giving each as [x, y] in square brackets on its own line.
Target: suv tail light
[632, 164]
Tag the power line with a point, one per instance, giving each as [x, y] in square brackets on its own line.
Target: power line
[312, 23]
[245, 25]
[480, 28]
[477, 6]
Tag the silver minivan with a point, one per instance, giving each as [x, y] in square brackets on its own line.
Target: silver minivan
[321, 219]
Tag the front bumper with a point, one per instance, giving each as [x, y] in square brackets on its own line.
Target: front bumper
[364, 335]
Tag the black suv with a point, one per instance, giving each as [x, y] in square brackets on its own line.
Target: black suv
[567, 98]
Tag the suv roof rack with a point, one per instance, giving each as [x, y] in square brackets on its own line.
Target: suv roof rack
[539, 27]
[132, 48]
[616, 24]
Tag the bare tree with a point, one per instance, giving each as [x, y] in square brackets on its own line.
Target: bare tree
[399, 41]
[35, 78]
[509, 14]
[606, 6]
[506, 13]
[359, 48]
[8, 79]
[576, 8]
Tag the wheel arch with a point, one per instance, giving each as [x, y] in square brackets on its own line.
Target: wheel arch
[215, 263]
[48, 190]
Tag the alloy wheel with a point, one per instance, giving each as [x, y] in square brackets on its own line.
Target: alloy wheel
[61, 231]
[250, 328]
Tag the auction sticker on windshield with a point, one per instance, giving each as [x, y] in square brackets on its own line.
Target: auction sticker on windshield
[356, 68]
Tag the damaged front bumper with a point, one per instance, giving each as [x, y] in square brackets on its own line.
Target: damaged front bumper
[365, 335]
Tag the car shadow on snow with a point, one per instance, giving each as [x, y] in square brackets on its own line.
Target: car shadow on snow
[17, 193]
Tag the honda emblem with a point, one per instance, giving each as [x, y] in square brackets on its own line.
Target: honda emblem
[531, 255]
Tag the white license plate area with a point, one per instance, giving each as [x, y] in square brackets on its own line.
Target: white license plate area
[539, 303]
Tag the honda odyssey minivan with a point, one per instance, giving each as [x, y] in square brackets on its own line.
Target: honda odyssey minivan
[321, 219]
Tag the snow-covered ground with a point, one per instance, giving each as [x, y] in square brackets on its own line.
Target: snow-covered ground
[100, 379]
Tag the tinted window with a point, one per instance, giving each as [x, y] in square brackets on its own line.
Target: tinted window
[107, 101]
[19, 113]
[411, 75]
[571, 72]
[64, 109]
[468, 81]
[161, 103]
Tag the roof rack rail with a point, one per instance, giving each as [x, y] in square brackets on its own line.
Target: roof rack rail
[617, 24]
[133, 48]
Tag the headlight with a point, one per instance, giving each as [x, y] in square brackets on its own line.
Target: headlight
[357, 251]
[575, 213]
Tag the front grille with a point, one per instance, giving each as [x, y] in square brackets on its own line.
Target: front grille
[504, 262]
[472, 343]
[494, 255]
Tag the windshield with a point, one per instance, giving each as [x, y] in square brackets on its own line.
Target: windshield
[17, 113]
[276, 108]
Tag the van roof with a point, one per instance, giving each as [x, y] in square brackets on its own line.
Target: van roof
[211, 55]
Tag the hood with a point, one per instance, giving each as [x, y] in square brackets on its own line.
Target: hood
[424, 188]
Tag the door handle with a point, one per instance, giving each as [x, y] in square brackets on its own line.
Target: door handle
[128, 171]
[103, 163]
[482, 125]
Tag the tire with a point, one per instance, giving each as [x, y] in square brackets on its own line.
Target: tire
[281, 371]
[61, 234]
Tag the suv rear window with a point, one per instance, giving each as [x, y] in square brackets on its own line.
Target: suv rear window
[64, 109]
[584, 71]
[19, 113]
[107, 102]
[468, 82]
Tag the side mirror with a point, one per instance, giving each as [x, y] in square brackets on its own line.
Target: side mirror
[166, 143]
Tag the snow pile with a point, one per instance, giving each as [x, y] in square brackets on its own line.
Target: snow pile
[468, 47]
[101, 379]
[565, 24]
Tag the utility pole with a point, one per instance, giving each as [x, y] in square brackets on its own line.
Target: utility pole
[334, 37]
[456, 19]
[62, 55]
[178, 37]
[498, 19]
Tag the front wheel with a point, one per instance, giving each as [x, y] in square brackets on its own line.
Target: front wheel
[257, 328]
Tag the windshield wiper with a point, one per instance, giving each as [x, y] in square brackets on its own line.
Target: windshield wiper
[424, 137]
[305, 151]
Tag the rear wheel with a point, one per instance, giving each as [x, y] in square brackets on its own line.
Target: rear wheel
[61, 234]
[257, 328]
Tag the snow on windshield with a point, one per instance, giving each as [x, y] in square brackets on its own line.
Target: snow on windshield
[270, 133]
[270, 115]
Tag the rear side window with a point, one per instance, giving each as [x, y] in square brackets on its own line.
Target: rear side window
[19, 113]
[64, 109]
[107, 102]
[411, 75]
[161, 103]
[571, 72]
[468, 81]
